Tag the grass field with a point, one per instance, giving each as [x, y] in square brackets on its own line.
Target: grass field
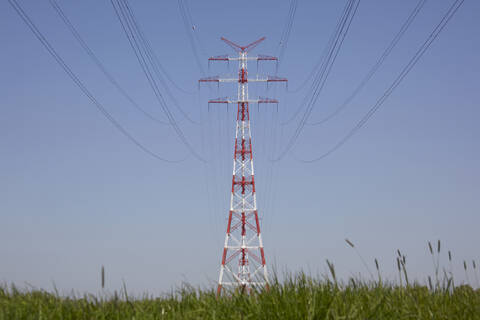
[299, 297]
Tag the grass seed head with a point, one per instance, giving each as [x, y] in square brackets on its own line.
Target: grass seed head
[449, 283]
[449, 255]
[438, 246]
[103, 277]
[353, 282]
[465, 265]
[349, 243]
[474, 265]
[332, 270]
[376, 264]
[430, 247]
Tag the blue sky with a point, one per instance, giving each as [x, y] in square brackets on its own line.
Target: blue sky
[75, 194]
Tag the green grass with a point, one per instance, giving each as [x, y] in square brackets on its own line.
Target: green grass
[299, 297]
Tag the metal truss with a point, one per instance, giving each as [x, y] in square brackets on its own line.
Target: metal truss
[243, 260]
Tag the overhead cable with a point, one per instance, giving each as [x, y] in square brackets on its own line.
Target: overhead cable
[157, 67]
[413, 61]
[26, 19]
[191, 37]
[377, 64]
[282, 45]
[144, 59]
[318, 68]
[322, 76]
[99, 63]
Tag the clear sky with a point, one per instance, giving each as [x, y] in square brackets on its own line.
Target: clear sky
[75, 194]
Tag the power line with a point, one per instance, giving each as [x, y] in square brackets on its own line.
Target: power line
[282, 45]
[316, 66]
[321, 77]
[195, 28]
[317, 69]
[413, 61]
[26, 19]
[155, 62]
[144, 59]
[304, 83]
[99, 63]
[188, 25]
[377, 64]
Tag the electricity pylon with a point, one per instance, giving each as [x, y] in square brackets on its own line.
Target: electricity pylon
[243, 241]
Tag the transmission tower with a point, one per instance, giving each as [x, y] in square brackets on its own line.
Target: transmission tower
[243, 259]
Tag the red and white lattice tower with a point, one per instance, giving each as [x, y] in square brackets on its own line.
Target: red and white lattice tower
[243, 260]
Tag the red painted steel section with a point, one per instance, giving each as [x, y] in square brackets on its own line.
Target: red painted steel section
[224, 255]
[263, 255]
[243, 76]
[229, 222]
[257, 222]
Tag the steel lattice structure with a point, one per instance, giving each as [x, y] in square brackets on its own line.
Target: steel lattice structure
[243, 259]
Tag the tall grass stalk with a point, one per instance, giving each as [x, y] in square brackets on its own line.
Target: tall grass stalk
[466, 271]
[361, 258]
[102, 276]
[378, 272]
[399, 271]
[474, 265]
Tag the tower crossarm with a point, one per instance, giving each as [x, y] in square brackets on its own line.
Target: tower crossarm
[231, 101]
[266, 100]
[220, 100]
[217, 79]
[267, 79]
[209, 79]
[266, 58]
[239, 48]
[276, 79]
[260, 57]
[220, 58]
[243, 79]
